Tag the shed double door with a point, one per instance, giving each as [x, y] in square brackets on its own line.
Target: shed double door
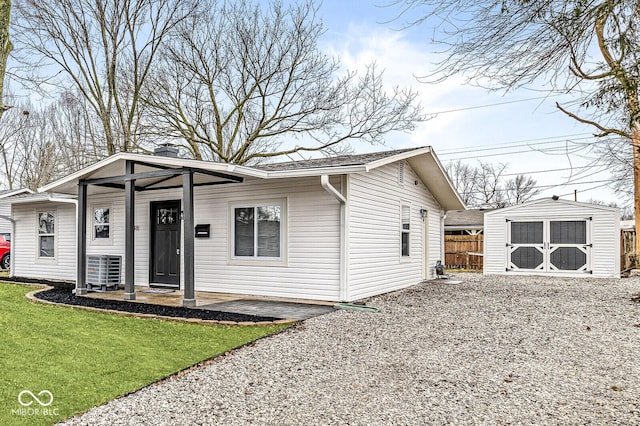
[548, 245]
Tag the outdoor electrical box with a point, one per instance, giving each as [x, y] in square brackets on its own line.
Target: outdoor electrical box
[203, 230]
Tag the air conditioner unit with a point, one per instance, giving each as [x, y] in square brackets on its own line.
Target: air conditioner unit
[103, 272]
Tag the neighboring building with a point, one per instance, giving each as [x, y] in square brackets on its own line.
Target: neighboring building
[5, 207]
[553, 237]
[465, 222]
[334, 229]
[463, 239]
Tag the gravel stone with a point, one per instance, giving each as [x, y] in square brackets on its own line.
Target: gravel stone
[490, 350]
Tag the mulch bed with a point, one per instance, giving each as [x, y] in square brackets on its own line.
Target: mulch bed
[61, 293]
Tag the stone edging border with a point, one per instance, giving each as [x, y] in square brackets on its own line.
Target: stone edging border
[31, 297]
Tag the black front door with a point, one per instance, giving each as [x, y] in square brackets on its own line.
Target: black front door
[165, 244]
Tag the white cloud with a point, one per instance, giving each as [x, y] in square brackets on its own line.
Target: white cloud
[403, 60]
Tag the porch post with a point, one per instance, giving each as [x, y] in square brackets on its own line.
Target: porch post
[189, 299]
[129, 226]
[81, 254]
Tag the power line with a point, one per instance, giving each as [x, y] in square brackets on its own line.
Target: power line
[585, 190]
[492, 105]
[467, 151]
[606, 182]
[560, 138]
[549, 170]
[507, 153]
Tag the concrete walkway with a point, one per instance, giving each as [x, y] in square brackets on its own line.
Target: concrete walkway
[267, 308]
[292, 309]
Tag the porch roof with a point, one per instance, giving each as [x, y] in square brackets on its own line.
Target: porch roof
[423, 161]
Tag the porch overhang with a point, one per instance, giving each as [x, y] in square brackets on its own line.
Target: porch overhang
[151, 174]
[141, 176]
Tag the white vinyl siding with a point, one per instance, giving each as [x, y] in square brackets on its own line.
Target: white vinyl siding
[5, 210]
[25, 244]
[603, 230]
[375, 264]
[310, 233]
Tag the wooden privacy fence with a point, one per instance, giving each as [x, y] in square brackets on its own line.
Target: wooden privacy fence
[463, 251]
[627, 248]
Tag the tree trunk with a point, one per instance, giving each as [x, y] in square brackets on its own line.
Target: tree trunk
[5, 46]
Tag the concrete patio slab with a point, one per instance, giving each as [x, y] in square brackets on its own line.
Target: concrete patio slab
[234, 303]
[283, 310]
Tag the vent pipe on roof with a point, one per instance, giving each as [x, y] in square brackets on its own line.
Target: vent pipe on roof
[166, 150]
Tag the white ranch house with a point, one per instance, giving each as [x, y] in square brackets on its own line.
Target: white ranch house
[335, 229]
[553, 237]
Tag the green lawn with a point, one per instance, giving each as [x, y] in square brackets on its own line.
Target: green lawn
[86, 358]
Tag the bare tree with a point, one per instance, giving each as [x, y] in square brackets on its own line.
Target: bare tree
[490, 192]
[465, 179]
[626, 212]
[520, 189]
[589, 48]
[11, 127]
[105, 48]
[40, 144]
[485, 186]
[242, 82]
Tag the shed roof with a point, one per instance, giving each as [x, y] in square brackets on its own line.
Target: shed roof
[550, 200]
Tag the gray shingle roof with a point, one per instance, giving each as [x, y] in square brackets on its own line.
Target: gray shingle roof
[465, 217]
[341, 160]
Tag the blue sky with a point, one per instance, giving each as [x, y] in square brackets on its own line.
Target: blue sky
[542, 137]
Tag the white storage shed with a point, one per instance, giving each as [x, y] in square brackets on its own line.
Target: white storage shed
[553, 237]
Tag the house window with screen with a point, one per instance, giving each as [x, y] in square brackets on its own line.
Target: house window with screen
[101, 221]
[257, 231]
[405, 221]
[46, 234]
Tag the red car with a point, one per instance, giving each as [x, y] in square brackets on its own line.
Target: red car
[5, 251]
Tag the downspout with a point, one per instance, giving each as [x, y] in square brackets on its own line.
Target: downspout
[443, 216]
[13, 232]
[344, 285]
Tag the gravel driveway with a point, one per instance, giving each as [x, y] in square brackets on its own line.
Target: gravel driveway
[490, 350]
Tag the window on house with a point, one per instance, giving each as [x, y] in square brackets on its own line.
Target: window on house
[257, 231]
[101, 223]
[46, 233]
[405, 221]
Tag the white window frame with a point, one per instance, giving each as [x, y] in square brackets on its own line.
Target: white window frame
[39, 257]
[255, 259]
[406, 231]
[92, 212]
